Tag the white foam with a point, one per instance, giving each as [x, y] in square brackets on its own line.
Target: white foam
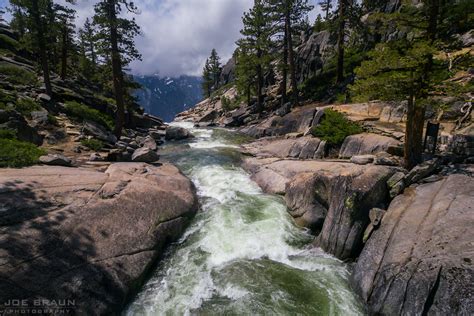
[237, 223]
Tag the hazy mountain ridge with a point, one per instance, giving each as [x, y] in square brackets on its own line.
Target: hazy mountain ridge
[166, 96]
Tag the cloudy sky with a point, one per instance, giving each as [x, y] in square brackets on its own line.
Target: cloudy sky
[178, 35]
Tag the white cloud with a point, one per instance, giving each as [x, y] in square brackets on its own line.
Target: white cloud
[178, 35]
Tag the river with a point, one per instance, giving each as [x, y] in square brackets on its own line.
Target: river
[242, 254]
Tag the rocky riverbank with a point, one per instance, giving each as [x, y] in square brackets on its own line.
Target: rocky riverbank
[87, 236]
[412, 254]
[406, 231]
[86, 223]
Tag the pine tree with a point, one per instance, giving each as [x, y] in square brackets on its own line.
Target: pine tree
[65, 19]
[256, 42]
[319, 24]
[18, 22]
[88, 62]
[341, 33]
[207, 79]
[289, 17]
[245, 71]
[34, 12]
[326, 6]
[89, 37]
[403, 69]
[116, 39]
[215, 69]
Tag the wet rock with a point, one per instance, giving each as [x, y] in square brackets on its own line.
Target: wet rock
[90, 236]
[177, 133]
[55, 160]
[157, 134]
[419, 262]
[351, 199]
[145, 154]
[327, 197]
[365, 144]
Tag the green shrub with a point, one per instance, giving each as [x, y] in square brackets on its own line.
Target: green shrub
[25, 106]
[93, 144]
[52, 119]
[228, 104]
[7, 134]
[16, 154]
[9, 43]
[81, 111]
[335, 127]
[6, 97]
[18, 75]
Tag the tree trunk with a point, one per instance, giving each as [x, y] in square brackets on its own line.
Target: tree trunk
[116, 70]
[93, 56]
[64, 54]
[248, 94]
[259, 83]
[340, 41]
[42, 47]
[284, 70]
[328, 3]
[291, 57]
[414, 134]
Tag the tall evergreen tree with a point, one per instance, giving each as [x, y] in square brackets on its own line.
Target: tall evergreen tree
[326, 6]
[89, 36]
[289, 17]
[65, 19]
[215, 68]
[116, 37]
[341, 33]
[245, 71]
[256, 42]
[34, 12]
[207, 79]
[403, 69]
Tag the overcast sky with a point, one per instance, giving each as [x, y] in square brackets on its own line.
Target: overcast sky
[178, 35]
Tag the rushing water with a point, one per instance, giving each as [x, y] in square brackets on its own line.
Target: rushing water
[242, 255]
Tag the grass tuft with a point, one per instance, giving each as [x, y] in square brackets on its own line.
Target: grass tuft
[82, 112]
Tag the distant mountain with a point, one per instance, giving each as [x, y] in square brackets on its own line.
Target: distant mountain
[166, 97]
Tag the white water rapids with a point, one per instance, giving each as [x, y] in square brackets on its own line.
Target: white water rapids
[242, 254]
